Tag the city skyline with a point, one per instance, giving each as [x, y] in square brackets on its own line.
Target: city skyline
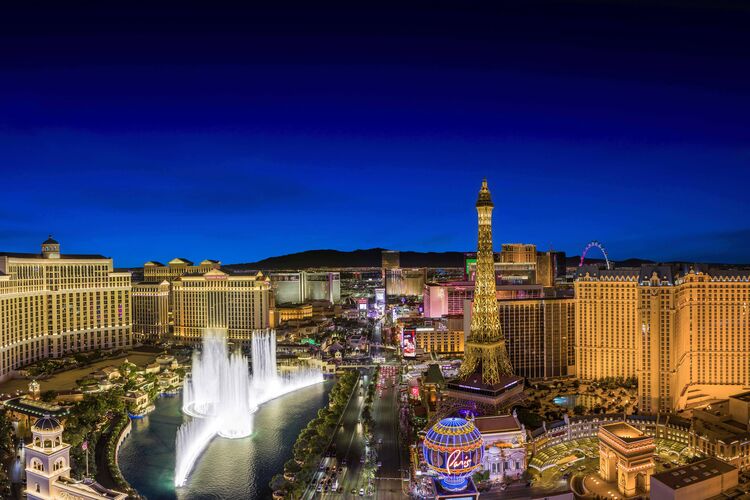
[332, 251]
[261, 133]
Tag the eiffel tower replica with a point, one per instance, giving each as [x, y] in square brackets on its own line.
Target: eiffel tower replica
[486, 377]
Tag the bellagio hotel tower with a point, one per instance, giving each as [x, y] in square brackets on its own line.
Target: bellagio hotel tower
[683, 333]
[54, 304]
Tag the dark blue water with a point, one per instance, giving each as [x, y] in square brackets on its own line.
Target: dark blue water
[228, 468]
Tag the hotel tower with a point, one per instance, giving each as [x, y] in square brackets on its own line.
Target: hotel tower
[54, 304]
[683, 333]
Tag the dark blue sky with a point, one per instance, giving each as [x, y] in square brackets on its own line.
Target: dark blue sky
[206, 131]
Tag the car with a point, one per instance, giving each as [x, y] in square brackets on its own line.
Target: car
[380, 464]
[354, 491]
[320, 488]
[361, 492]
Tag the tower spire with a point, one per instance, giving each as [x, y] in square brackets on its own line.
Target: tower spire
[485, 350]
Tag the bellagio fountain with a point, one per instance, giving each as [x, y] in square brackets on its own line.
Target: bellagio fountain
[221, 394]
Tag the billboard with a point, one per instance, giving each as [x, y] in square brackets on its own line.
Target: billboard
[409, 343]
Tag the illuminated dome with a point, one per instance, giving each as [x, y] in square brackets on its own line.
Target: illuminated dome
[453, 448]
[47, 424]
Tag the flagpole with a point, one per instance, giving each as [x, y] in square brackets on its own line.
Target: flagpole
[85, 446]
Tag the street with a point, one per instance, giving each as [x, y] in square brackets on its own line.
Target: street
[349, 440]
[385, 427]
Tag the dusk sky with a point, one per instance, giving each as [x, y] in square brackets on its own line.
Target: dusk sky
[203, 132]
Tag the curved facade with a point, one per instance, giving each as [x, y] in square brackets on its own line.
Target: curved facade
[54, 304]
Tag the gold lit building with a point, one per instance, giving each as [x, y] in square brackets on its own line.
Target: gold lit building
[403, 281]
[151, 310]
[156, 272]
[54, 304]
[390, 259]
[518, 253]
[685, 336]
[152, 301]
[439, 336]
[293, 312]
[240, 303]
[539, 335]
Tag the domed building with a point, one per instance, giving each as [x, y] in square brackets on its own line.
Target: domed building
[48, 467]
[453, 449]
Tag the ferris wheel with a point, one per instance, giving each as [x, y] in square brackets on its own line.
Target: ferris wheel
[598, 245]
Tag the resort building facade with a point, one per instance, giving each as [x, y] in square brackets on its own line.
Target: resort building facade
[54, 304]
[685, 335]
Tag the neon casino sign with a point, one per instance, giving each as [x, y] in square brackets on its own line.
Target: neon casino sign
[453, 448]
[457, 460]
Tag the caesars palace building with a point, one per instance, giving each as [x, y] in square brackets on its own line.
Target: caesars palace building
[54, 304]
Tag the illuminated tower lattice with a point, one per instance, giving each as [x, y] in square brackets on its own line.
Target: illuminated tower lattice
[485, 350]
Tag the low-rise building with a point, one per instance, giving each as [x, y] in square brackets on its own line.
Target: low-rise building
[439, 336]
[505, 446]
[291, 312]
[137, 401]
[168, 380]
[722, 430]
[697, 481]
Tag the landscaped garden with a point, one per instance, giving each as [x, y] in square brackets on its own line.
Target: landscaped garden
[314, 439]
[550, 401]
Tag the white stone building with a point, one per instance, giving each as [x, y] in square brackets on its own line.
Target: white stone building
[48, 468]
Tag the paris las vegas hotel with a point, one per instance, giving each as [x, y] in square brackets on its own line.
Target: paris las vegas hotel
[54, 304]
[683, 333]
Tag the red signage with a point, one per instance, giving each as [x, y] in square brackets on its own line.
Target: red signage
[408, 343]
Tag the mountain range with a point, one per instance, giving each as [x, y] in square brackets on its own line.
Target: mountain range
[371, 257]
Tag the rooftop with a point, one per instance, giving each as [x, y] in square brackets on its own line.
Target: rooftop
[434, 375]
[624, 431]
[502, 423]
[21, 255]
[35, 408]
[744, 396]
[693, 473]
[473, 384]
